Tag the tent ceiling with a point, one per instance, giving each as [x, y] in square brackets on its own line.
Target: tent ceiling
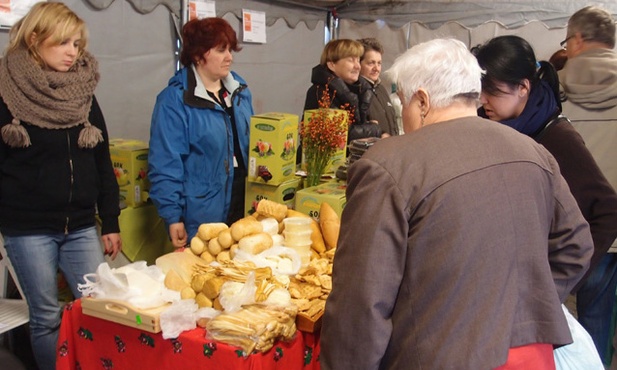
[434, 13]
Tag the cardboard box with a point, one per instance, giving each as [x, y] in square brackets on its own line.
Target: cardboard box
[130, 161]
[284, 193]
[340, 155]
[273, 145]
[308, 200]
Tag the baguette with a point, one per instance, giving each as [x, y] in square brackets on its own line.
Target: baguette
[330, 225]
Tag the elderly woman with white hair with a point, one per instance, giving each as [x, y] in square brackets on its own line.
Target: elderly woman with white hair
[448, 265]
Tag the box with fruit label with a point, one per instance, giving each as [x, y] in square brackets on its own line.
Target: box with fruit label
[308, 200]
[284, 193]
[130, 161]
[272, 148]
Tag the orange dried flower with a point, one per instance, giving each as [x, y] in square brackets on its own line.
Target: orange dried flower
[323, 134]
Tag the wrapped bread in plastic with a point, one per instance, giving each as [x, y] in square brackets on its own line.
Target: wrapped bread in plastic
[330, 225]
[270, 208]
[245, 226]
[256, 243]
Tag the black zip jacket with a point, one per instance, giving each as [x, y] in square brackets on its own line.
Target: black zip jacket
[55, 186]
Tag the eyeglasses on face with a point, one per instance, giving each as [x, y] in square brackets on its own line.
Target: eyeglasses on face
[563, 43]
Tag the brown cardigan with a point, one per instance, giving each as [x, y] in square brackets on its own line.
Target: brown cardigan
[443, 260]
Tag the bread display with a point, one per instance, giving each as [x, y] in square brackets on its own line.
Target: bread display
[208, 273]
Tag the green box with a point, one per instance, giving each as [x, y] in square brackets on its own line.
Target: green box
[340, 155]
[308, 200]
[284, 193]
[130, 161]
[273, 145]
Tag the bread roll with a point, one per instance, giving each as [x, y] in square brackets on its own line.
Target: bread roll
[225, 239]
[214, 247]
[198, 246]
[270, 208]
[245, 226]
[210, 230]
[256, 243]
[173, 281]
[330, 225]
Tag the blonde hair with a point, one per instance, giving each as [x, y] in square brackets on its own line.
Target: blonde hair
[46, 20]
[336, 50]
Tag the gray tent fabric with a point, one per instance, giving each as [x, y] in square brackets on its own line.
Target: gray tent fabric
[433, 14]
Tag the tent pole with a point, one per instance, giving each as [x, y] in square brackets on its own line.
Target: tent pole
[331, 26]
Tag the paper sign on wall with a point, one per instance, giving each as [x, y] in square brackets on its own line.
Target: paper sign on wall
[13, 10]
[253, 26]
[201, 9]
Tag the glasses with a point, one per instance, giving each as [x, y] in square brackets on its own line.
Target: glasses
[563, 43]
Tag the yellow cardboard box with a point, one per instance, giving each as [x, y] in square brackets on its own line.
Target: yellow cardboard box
[308, 200]
[130, 161]
[284, 193]
[340, 155]
[273, 144]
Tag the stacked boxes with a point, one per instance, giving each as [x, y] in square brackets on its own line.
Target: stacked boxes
[308, 200]
[130, 161]
[272, 152]
[339, 156]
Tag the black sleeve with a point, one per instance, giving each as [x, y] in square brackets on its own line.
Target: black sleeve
[109, 198]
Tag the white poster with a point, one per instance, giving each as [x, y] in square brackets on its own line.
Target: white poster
[200, 9]
[253, 26]
[13, 10]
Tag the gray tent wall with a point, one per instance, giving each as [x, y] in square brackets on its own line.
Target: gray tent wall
[136, 48]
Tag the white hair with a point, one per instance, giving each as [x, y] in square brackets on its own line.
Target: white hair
[443, 67]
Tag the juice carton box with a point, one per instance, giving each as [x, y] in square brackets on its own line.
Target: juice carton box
[284, 193]
[273, 144]
[308, 200]
[130, 161]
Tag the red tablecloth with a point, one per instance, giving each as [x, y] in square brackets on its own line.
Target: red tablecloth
[88, 342]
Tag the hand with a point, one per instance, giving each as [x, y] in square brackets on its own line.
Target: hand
[384, 135]
[178, 236]
[112, 244]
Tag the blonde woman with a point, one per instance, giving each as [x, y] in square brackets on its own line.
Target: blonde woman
[55, 169]
[339, 72]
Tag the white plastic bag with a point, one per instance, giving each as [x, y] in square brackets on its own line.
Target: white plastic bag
[136, 283]
[582, 353]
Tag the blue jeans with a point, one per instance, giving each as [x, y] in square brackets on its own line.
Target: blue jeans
[595, 301]
[36, 259]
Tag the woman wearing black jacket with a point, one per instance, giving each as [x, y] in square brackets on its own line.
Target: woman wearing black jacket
[339, 72]
[55, 168]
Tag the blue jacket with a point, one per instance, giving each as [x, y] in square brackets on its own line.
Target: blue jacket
[191, 151]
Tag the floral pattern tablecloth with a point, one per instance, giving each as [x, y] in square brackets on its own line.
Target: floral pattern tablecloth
[90, 343]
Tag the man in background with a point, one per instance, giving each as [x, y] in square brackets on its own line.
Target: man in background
[589, 81]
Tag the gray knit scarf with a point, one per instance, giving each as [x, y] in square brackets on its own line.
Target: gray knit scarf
[48, 99]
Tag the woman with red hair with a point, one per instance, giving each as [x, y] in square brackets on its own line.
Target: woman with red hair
[199, 134]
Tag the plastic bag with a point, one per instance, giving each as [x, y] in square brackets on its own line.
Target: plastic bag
[580, 354]
[136, 283]
[282, 260]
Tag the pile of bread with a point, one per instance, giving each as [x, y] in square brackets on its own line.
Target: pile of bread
[192, 274]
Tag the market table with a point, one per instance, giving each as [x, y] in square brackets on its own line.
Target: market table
[87, 342]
